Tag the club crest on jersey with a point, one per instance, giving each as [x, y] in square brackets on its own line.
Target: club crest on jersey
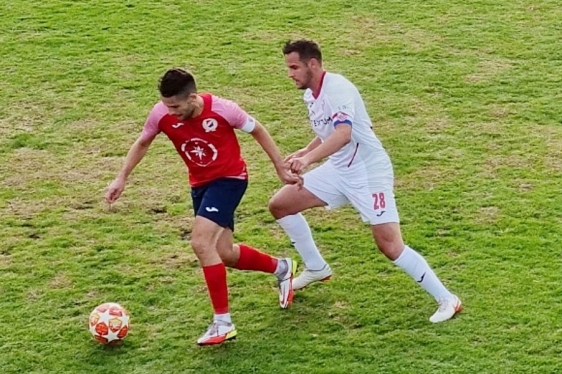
[210, 124]
[199, 151]
[340, 117]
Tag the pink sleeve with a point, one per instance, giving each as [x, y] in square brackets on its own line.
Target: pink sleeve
[231, 112]
[151, 129]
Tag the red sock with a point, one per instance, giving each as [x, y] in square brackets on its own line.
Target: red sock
[215, 276]
[252, 259]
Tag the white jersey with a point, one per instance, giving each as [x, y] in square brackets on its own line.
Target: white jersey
[340, 102]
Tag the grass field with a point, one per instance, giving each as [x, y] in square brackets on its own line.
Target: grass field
[465, 96]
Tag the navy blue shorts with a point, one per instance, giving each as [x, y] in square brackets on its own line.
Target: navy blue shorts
[217, 200]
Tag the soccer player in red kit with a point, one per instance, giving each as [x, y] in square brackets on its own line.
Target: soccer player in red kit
[201, 127]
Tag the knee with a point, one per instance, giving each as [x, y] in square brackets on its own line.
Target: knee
[277, 207]
[229, 256]
[389, 240]
[199, 244]
[391, 249]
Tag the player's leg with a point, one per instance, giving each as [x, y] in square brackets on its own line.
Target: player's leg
[377, 205]
[226, 195]
[211, 218]
[243, 257]
[286, 206]
[389, 241]
[203, 241]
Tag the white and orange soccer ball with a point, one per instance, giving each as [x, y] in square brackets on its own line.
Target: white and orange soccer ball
[109, 323]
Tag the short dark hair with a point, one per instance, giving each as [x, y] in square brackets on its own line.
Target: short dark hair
[177, 82]
[307, 49]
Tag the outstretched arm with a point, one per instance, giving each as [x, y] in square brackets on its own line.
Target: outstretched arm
[134, 156]
[340, 137]
[303, 151]
[262, 136]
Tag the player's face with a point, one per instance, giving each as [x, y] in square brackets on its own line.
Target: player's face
[298, 70]
[182, 107]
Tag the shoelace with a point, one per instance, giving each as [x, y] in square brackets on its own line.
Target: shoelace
[443, 304]
[288, 276]
[213, 329]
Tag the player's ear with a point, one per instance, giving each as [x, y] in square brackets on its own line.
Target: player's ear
[314, 63]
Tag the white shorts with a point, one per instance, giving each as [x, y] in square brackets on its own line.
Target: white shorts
[371, 195]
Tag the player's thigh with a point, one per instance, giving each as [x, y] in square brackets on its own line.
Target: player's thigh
[292, 199]
[217, 201]
[374, 200]
[197, 194]
[322, 187]
[325, 183]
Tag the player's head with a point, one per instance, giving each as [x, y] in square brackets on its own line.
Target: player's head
[304, 60]
[179, 92]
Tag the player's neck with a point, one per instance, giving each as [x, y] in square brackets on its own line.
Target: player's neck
[199, 106]
[316, 83]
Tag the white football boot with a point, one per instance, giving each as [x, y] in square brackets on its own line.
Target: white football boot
[448, 307]
[217, 333]
[309, 276]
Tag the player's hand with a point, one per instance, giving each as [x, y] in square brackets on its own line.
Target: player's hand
[299, 164]
[114, 190]
[300, 153]
[289, 178]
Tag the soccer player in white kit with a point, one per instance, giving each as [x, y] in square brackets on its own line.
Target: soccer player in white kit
[358, 171]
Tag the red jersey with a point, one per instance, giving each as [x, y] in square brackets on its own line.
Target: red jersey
[207, 143]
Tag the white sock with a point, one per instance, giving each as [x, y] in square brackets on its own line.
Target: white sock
[416, 267]
[223, 317]
[299, 232]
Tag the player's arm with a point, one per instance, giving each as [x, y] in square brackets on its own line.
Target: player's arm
[134, 156]
[136, 153]
[341, 111]
[303, 151]
[264, 139]
[340, 137]
[239, 119]
[313, 144]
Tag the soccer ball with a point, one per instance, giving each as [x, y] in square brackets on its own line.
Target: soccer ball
[109, 323]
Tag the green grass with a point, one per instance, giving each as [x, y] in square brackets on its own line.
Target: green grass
[465, 96]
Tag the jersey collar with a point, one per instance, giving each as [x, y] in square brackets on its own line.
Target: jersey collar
[317, 93]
